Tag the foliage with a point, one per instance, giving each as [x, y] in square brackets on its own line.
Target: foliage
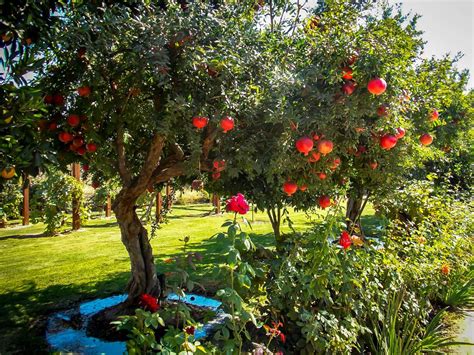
[11, 199]
[459, 292]
[306, 99]
[141, 331]
[241, 304]
[395, 333]
[328, 295]
[52, 198]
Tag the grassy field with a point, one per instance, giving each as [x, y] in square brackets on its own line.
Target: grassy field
[41, 274]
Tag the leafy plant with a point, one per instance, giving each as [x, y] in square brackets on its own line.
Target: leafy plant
[141, 329]
[460, 290]
[52, 198]
[400, 333]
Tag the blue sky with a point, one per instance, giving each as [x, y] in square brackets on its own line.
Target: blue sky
[448, 28]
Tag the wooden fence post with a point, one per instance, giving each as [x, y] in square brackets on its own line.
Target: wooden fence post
[159, 206]
[26, 200]
[108, 206]
[76, 218]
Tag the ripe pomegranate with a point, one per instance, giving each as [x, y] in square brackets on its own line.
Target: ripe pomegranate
[314, 157]
[316, 136]
[218, 165]
[85, 167]
[373, 165]
[78, 141]
[347, 73]
[434, 116]
[65, 137]
[48, 99]
[200, 122]
[53, 126]
[73, 120]
[290, 187]
[335, 163]
[353, 58]
[216, 176]
[227, 124]
[426, 139]
[377, 86]
[324, 201]
[8, 173]
[325, 146]
[84, 91]
[81, 150]
[400, 132]
[388, 141]
[304, 145]
[382, 111]
[58, 99]
[322, 176]
[303, 188]
[349, 87]
[91, 147]
[197, 185]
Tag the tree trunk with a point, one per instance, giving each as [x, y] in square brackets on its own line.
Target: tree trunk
[135, 238]
[274, 214]
[26, 200]
[76, 217]
[355, 206]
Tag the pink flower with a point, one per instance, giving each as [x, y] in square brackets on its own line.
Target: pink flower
[237, 204]
[149, 302]
[345, 240]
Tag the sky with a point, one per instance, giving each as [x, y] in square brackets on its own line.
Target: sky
[448, 28]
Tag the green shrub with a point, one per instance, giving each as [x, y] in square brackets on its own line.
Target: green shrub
[10, 199]
[52, 198]
[187, 196]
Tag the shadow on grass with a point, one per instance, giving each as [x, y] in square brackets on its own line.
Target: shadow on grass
[104, 225]
[24, 311]
[26, 236]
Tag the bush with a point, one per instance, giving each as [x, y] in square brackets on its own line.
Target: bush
[186, 197]
[332, 300]
[52, 198]
[10, 199]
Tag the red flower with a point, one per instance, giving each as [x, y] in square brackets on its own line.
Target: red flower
[149, 302]
[345, 240]
[274, 331]
[190, 330]
[237, 204]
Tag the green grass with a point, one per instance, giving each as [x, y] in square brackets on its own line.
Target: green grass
[41, 274]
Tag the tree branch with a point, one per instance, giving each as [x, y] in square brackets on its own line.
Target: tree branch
[122, 160]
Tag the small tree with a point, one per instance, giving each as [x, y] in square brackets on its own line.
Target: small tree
[124, 84]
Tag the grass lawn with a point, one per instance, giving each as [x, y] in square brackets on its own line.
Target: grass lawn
[41, 274]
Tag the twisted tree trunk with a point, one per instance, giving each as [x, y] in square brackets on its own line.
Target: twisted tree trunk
[135, 238]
